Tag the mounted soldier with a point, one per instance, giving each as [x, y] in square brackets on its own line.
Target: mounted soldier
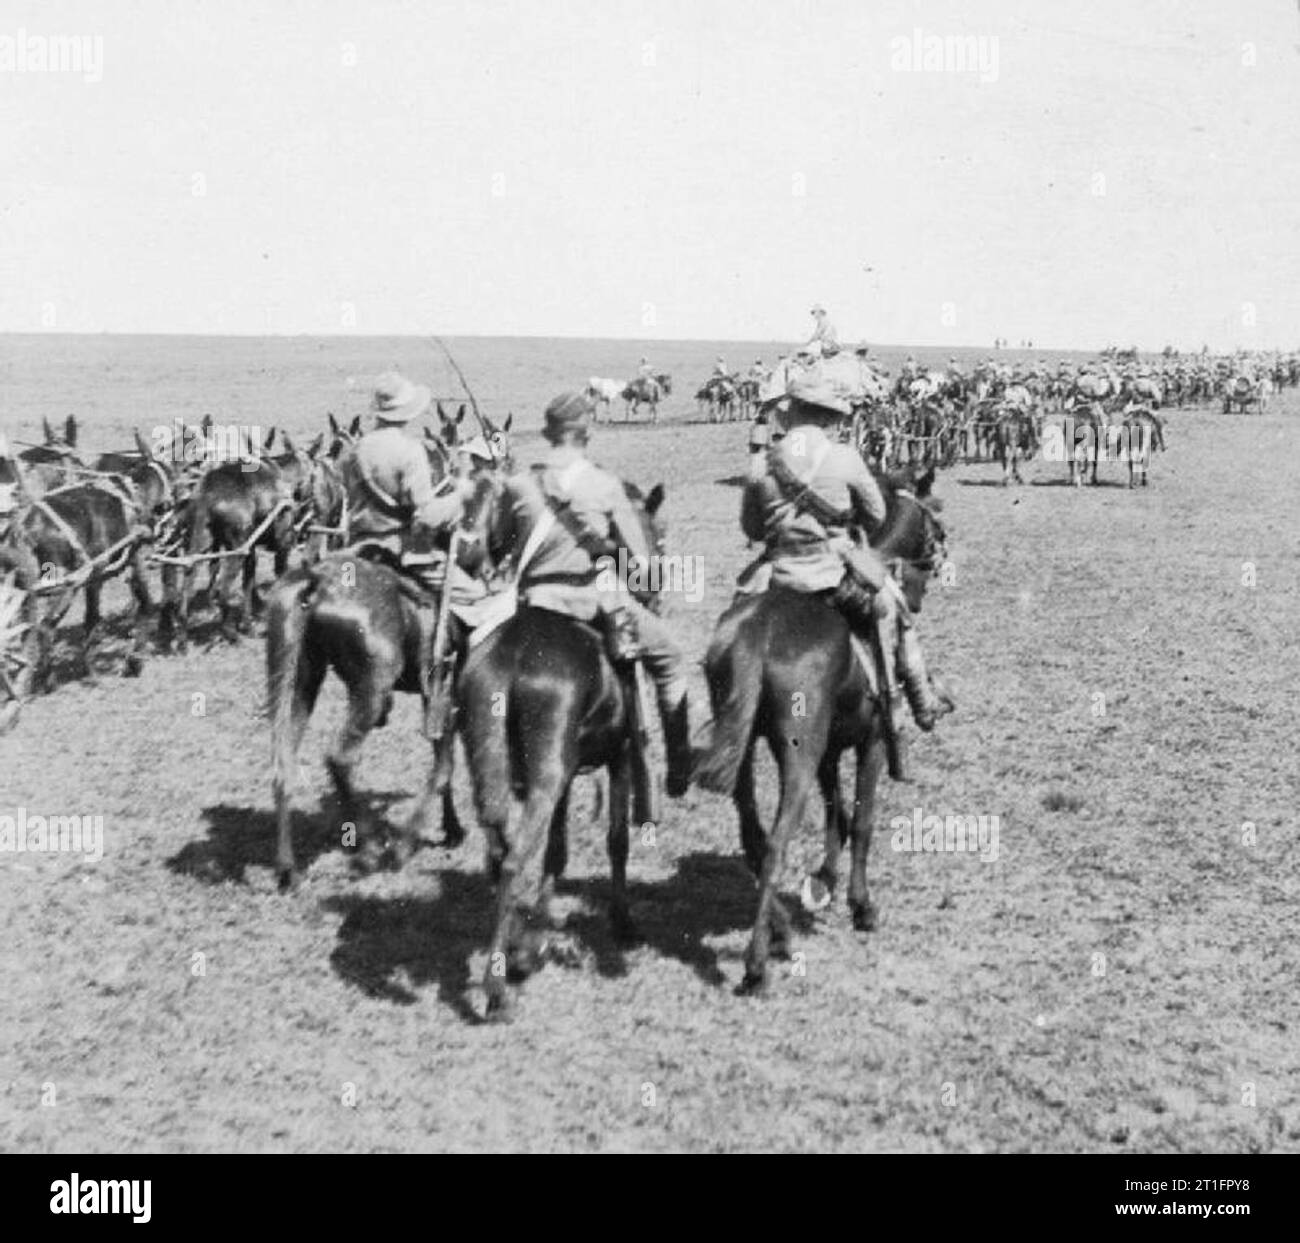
[805, 508]
[564, 522]
[396, 515]
[824, 342]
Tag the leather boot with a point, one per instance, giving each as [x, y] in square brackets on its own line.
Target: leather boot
[677, 742]
[928, 700]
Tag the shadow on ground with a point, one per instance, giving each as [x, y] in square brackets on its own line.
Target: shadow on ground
[391, 947]
[242, 837]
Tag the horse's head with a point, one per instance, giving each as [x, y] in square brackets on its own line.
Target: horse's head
[912, 530]
[499, 445]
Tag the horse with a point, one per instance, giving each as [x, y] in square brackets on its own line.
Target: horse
[75, 537]
[53, 464]
[541, 703]
[781, 667]
[603, 393]
[646, 390]
[1015, 439]
[366, 620]
[234, 501]
[1142, 432]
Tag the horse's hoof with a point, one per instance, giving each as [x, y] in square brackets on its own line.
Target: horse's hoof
[132, 667]
[865, 917]
[287, 880]
[752, 985]
[497, 1007]
[815, 895]
[625, 930]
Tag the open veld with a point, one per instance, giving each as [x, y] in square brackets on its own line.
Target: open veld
[1121, 978]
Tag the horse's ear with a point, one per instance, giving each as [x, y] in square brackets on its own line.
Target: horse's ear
[925, 482]
[355, 429]
[442, 414]
[430, 434]
[288, 444]
[510, 418]
[313, 449]
[49, 431]
[654, 500]
[206, 425]
[460, 414]
[270, 440]
[141, 448]
[334, 427]
[70, 430]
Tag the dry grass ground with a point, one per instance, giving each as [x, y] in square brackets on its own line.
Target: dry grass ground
[1122, 978]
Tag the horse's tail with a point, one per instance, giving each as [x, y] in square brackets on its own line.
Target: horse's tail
[733, 721]
[286, 624]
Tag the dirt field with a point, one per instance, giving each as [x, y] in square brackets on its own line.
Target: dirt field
[1121, 979]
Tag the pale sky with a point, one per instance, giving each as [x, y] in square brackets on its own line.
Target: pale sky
[666, 169]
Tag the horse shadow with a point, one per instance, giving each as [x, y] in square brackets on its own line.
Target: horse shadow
[709, 894]
[242, 837]
[390, 947]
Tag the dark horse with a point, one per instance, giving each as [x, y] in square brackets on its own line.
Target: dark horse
[75, 537]
[649, 391]
[233, 502]
[780, 667]
[365, 620]
[542, 703]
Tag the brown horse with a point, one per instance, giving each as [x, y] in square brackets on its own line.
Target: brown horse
[368, 622]
[74, 538]
[541, 703]
[781, 667]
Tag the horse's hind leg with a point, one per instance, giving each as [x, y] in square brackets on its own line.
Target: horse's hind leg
[143, 608]
[753, 840]
[620, 794]
[286, 738]
[516, 949]
[819, 886]
[870, 763]
[437, 791]
[796, 784]
[555, 860]
[367, 698]
[90, 629]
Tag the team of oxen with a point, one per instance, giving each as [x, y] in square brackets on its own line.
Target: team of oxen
[539, 699]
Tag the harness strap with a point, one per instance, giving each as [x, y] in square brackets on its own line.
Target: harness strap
[64, 529]
[797, 489]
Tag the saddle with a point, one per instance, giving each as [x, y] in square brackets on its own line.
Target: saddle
[420, 576]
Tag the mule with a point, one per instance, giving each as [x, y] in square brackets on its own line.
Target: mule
[52, 540]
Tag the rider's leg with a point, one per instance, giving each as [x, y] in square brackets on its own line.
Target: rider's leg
[927, 700]
[666, 665]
